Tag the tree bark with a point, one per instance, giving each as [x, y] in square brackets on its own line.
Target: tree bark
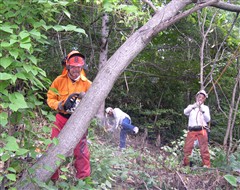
[102, 85]
[232, 115]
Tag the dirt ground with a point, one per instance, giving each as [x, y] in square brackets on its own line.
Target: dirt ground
[201, 179]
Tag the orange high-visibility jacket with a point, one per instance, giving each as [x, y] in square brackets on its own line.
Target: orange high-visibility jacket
[63, 86]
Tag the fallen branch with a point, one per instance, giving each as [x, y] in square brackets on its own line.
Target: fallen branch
[182, 180]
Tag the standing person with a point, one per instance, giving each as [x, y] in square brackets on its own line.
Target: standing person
[63, 95]
[198, 117]
[124, 121]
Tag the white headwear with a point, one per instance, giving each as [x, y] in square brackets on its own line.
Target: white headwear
[202, 92]
[108, 109]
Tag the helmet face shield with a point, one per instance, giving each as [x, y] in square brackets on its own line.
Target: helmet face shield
[75, 61]
[74, 58]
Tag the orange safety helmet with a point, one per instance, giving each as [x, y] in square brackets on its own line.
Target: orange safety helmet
[75, 58]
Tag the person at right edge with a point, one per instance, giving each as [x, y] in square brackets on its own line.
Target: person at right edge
[198, 117]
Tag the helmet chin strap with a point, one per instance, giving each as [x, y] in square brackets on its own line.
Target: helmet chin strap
[77, 78]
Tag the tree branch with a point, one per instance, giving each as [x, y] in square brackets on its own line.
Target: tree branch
[150, 4]
[224, 6]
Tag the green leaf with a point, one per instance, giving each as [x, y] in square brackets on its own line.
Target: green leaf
[63, 3]
[55, 141]
[69, 27]
[1, 151]
[58, 163]
[38, 83]
[35, 33]
[27, 67]
[11, 177]
[13, 79]
[54, 90]
[47, 142]
[47, 27]
[5, 76]
[21, 151]
[130, 9]
[14, 53]
[58, 28]
[108, 7]
[5, 44]
[63, 177]
[21, 76]
[64, 169]
[11, 144]
[33, 59]
[13, 41]
[3, 118]
[51, 117]
[62, 157]
[79, 30]
[231, 179]
[26, 46]
[34, 71]
[24, 34]
[7, 29]
[17, 101]
[67, 13]
[5, 157]
[11, 169]
[46, 129]
[108, 183]
[5, 62]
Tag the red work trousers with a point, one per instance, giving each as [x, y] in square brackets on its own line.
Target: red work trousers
[81, 152]
[202, 138]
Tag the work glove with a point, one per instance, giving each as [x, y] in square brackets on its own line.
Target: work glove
[195, 105]
[60, 106]
[81, 95]
[72, 102]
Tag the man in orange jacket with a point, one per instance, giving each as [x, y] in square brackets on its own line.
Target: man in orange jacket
[198, 117]
[62, 96]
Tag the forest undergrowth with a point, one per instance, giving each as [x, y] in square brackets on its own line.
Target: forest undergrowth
[142, 166]
[151, 167]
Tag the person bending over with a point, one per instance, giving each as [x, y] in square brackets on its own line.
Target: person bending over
[123, 121]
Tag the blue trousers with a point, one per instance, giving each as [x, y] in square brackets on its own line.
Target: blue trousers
[126, 128]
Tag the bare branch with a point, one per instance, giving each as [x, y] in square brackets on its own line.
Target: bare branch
[227, 6]
[222, 5]
[204, 39]
[150, 4]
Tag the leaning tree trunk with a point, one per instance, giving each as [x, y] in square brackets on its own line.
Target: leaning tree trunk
[102, 85]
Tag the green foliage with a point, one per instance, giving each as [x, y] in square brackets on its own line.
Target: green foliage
[158, 84]
[231, 179]
[20, 41]
[24, 30]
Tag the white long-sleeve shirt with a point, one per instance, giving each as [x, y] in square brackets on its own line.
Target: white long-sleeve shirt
[119, 116]
[198, 116]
